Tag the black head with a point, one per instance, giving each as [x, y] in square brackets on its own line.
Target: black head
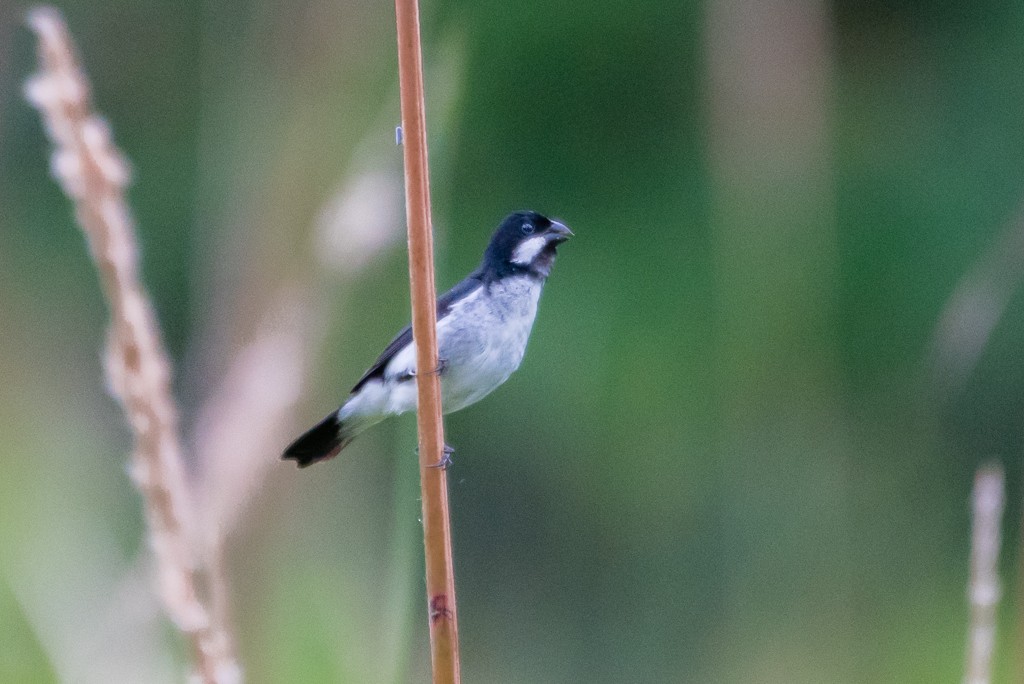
[526, 243]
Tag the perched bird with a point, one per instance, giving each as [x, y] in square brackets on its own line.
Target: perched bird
[483, 324]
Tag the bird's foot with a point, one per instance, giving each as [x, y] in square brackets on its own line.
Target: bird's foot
[446, 458]
[442, 364]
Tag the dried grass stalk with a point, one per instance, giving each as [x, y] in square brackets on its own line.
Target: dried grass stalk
[433, 482]
[983, 593]
[437, 535]
[93, 173]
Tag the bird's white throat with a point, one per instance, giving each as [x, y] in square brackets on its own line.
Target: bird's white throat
[528, 250]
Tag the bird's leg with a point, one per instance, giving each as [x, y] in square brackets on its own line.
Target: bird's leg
[446, 458]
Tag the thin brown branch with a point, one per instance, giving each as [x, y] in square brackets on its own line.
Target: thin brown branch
[94, 174]
[984, 591]
[437, 538]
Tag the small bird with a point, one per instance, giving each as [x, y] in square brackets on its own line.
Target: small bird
[483, 324]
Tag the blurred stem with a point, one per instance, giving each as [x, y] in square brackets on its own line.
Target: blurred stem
[987, 502]
[94, 175]
[437, 538]
[974, 308]
[775, 266]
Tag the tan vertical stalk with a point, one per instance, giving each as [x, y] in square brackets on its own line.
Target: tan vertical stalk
[987, 503]
[93, 173]
[437, 537]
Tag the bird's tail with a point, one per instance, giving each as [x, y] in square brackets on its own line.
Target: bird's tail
[322, 441]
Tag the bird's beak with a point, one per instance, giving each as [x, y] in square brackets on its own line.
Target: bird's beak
[558, 232]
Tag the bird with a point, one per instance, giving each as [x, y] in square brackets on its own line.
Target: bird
[483, 325]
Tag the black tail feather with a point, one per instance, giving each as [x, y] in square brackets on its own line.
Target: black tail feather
[319, 443]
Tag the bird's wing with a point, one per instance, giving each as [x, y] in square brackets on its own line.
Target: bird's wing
[403, 338]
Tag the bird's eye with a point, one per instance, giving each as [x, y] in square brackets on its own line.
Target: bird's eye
[527, 228]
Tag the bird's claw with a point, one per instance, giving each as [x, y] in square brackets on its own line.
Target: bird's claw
[446, 458]
[442, 364]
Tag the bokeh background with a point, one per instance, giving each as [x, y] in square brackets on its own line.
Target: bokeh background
[742, 443]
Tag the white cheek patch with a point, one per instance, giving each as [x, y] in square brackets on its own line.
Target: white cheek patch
[528, 250]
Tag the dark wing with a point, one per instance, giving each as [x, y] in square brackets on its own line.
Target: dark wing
[444, 305]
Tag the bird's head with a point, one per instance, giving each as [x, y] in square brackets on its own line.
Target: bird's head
[525, 242]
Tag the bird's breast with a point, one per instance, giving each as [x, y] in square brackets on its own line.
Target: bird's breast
[483, 338]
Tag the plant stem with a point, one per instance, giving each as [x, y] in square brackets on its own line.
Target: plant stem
[437, 537]
[988, 501]
[94, 174]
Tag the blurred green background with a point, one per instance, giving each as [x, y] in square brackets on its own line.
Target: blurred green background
[741, 446]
